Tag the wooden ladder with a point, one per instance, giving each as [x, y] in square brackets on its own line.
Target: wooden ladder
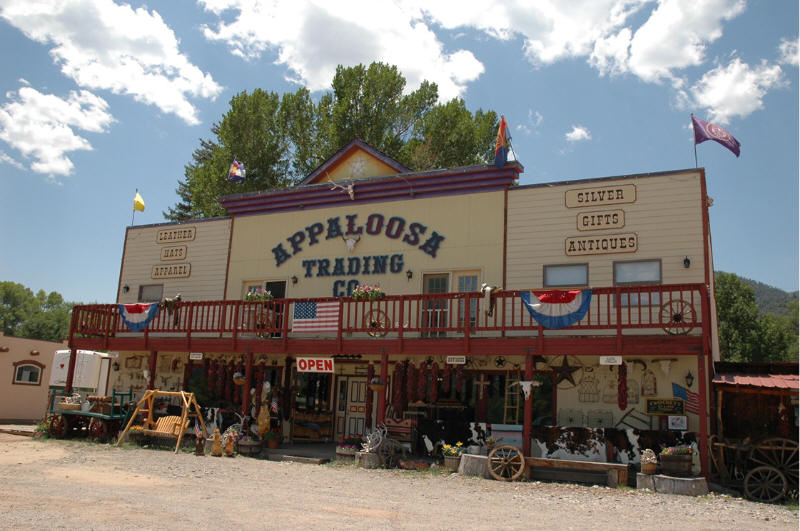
[512, 401]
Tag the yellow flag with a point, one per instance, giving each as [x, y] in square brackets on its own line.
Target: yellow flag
[138, 203]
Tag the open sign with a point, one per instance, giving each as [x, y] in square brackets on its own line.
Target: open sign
[314, 365]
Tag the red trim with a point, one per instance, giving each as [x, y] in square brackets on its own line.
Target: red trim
[228, 260]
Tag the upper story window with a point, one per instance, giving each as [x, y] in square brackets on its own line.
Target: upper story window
[151, 293]
[566, 275]
[638, 272]
[28, 373]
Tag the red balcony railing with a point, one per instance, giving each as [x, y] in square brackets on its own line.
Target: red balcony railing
[657, 309]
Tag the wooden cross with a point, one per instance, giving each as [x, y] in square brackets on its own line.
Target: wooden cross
[481, 382]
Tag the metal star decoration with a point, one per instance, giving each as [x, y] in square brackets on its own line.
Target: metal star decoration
[564, 372]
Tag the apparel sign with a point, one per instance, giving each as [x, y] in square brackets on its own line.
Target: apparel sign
[314, 365]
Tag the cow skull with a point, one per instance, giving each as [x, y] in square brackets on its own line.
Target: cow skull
[351, 243]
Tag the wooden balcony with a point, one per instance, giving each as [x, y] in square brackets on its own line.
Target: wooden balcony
[658, 319]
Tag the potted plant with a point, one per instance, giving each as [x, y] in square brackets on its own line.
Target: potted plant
[677, 460]
[376, 384]
[491, 442]
[249, 444]
[348, 446]
[273, 439]
[452, 455]
[364, 292]
[258, 294]
[238, 378]
[649, 462]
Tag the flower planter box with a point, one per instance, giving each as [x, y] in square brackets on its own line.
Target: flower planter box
[451, 462]
[249, 447]
[676, 465]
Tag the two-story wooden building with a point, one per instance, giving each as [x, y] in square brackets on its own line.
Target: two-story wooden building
[598, 308]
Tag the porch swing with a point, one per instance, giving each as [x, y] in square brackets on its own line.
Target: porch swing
[171, 426]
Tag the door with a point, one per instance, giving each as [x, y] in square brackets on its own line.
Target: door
[467, 282]
[278, 290]
[434, 312]
[351, 407]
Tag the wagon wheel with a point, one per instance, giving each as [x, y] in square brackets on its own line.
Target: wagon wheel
[677, 317]
[779, 453]
[506, 463]
[58, 426]
[376, 323]
[390, 452]
[765, 484]
[99, 430]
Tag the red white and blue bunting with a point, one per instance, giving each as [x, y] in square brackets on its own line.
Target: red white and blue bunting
[557, 309]
[138, 316]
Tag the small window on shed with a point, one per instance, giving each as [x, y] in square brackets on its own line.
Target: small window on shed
[26, 373]
[151, 293]
[566, 275]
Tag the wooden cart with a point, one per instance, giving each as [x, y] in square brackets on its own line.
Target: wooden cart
[507, 463]
[765, 470]
[64, 420]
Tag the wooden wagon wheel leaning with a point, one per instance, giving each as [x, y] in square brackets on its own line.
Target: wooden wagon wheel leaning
[99, 430]
[58, 426]
[779, 453]
[765, 484]
[376, 323]
[506, 463]
[677, 317]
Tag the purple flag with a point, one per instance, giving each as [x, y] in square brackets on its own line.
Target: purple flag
[707, 131]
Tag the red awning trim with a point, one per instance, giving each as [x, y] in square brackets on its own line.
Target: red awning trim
[770, 381]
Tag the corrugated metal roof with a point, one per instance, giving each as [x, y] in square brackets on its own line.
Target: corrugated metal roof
[771, 381]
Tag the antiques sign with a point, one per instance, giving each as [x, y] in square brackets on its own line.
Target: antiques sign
[607, 244]
[665, 406]
[601, 195]
[314, 365]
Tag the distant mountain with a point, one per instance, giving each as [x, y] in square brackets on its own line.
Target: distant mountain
[768, 298]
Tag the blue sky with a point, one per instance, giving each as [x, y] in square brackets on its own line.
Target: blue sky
[101, 98]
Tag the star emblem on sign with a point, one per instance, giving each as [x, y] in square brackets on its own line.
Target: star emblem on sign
[564, 372]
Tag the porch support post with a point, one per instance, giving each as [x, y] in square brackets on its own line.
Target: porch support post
[248, 377]
[701, 378]
[528, 411]
[384, 378]
[152, 368]
[73, 355]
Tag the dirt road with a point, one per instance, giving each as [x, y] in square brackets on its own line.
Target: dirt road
[75, 484]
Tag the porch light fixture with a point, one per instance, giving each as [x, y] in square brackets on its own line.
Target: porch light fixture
[687, 262]
[689, 379]
[409, 274]
[126, 288]
[294, 279]
[115, 365]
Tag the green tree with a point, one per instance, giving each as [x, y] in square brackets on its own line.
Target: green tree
[41, 316]
[282, 139]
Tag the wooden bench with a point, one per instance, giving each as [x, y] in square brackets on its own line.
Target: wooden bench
[169, 426]
[617, 473]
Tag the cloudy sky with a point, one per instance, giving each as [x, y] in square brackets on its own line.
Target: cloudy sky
[100, 98]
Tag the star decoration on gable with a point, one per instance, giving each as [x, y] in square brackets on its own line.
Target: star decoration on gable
[564, 372]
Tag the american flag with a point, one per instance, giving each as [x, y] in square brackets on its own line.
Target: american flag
[316, 317]
[692, 399]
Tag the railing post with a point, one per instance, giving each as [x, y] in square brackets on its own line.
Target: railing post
[467, 308]
[285, 325]
[189, 326]
[339, 344]
[401, 324]
[618, 300]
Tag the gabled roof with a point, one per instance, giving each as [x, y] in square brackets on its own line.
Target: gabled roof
[344, 154]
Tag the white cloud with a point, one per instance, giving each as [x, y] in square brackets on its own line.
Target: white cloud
[578, 133]
[736, 89]
[788, 49]
[42, 126]
[102, 45]
[5, 157]
[312, 38]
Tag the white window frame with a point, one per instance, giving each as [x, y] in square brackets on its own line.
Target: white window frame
[643, 299]
[142, 287]
[548, 284]
[21, 365]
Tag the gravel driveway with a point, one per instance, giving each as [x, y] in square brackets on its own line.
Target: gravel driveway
[75, 484]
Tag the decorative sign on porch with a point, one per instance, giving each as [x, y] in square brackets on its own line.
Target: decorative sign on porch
[610, 360]
[456, 360]
[315, 365]
[677, 422]
[665, 406]
[195, 355]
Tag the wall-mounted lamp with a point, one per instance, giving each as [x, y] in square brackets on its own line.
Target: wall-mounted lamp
[34, 352]
[409, 274]
[115, 365]
[294, 279]
[687, 262]
[689, 379]
[126, 288]
[4, 349]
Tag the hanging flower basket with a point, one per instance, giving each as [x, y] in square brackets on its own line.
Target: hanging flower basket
[368, 293]
[238, 378]
[376, 384]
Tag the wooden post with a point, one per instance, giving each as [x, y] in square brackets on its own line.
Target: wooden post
[384, 378]
[73, 355]
[248, 377]
[152, 367]
[528, 411]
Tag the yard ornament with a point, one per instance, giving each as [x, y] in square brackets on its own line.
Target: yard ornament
[488, 298]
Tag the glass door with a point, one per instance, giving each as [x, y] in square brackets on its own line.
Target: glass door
[434, 312]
